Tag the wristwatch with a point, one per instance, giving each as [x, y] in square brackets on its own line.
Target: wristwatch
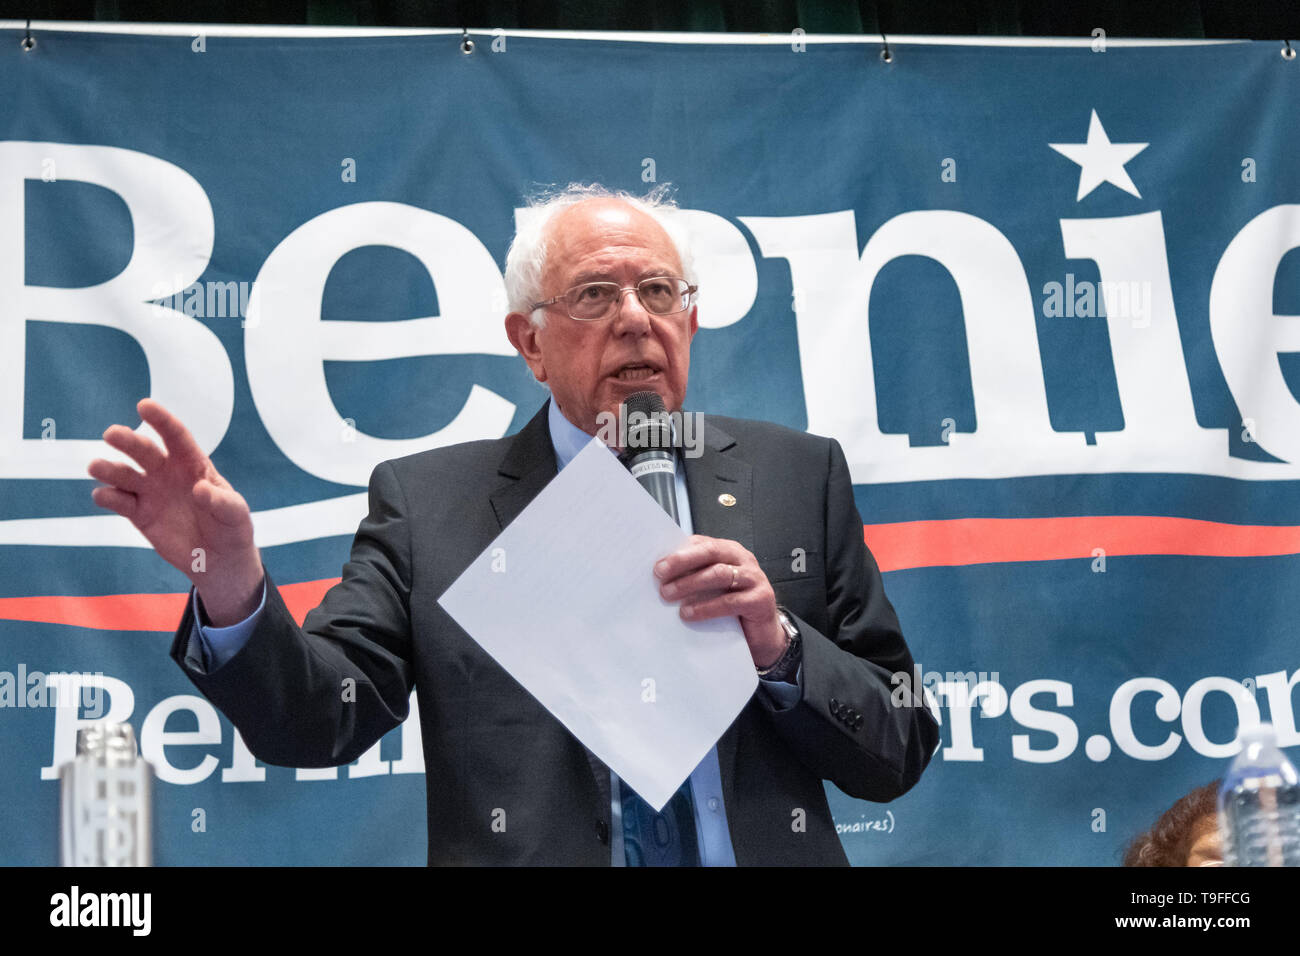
[785, 665]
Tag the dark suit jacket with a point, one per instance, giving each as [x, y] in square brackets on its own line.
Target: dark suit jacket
[489, 745]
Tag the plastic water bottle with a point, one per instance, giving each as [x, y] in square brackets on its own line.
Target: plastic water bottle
[1259, 804]
[107, 800]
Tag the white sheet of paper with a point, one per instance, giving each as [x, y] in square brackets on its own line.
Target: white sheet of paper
[566, 601]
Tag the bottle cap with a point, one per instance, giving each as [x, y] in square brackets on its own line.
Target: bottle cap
[1256, 733]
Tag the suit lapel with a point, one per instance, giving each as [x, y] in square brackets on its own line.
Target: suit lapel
[530, 462]
[710, 477]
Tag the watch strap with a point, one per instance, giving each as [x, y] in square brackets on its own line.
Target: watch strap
[788, 662]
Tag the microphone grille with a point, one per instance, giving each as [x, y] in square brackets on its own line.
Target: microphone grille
[647, 420]
[647, 403]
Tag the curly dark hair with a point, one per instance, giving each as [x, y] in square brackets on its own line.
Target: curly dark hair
[1169, 842]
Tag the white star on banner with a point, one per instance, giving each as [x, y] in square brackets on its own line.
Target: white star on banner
[1100, 160]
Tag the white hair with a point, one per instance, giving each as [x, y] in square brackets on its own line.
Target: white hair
[526, 260]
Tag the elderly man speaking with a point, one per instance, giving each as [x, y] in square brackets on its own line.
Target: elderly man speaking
[602, 293]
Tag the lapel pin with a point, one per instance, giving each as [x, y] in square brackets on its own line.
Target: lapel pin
[726, 500]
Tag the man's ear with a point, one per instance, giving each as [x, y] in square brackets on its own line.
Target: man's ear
[523, 336]
[695, 320]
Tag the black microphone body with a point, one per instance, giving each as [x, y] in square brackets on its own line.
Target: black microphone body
[649, 453]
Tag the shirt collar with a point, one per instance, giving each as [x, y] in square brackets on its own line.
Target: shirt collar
[568, 438]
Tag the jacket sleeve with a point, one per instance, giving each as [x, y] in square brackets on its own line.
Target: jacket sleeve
[322, 694]
[857, 723]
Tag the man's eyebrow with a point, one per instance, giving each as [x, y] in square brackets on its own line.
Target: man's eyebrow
[603, 275]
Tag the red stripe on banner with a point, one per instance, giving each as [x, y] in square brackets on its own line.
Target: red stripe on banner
[897, 547]
[139, 612]
[962, 541]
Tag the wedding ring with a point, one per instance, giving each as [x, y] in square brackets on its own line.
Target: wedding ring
[735, 573]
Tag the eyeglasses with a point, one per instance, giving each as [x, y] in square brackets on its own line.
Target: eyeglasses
[593, 301]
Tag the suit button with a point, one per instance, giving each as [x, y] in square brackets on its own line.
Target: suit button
[835, 707]
[857, 721]
[602, 831]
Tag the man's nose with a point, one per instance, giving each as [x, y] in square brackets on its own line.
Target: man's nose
[631, 316]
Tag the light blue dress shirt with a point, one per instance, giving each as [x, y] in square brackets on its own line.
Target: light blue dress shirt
[219, 644]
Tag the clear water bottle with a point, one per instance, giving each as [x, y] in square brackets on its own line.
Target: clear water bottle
[107, 800]
[1259, 804]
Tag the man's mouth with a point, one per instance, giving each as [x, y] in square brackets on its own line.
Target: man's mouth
[635, 372]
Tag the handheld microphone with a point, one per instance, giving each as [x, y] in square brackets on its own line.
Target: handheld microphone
[649, 453]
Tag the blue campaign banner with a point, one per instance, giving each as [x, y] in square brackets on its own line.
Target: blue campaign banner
[1044, 296]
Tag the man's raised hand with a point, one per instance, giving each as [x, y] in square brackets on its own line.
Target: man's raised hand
[193, 518]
